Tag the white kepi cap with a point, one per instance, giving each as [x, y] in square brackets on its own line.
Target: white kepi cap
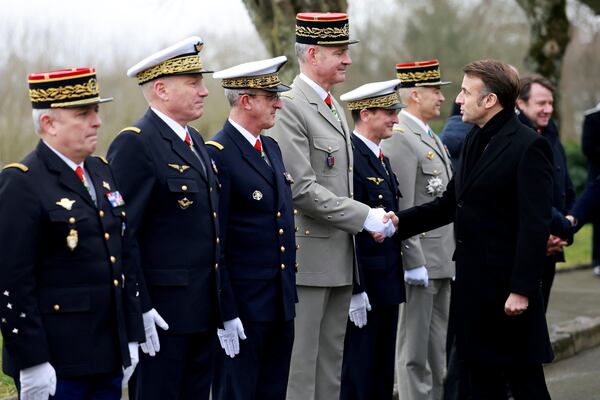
[374, 95]
[182, 58]
[262, 74]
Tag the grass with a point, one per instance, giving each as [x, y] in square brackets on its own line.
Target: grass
[7, 387]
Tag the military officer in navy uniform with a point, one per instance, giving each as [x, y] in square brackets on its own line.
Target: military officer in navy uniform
[168, 180]
[71, 317]
[257, 263]
[369, 348]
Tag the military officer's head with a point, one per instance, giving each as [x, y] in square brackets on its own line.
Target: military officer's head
[536, 100]
[65, 110]
[421, 88]
[488, 87]
[253, 92]
[322, 41]
[374, 108]
[172, 82]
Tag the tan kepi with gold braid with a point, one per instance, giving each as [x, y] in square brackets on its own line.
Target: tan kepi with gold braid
[182, 58]
[74, 87]
[374, 95]
[323, 29]
[419, 73]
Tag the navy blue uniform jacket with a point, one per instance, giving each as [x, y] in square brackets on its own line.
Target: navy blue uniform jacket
[257, 264]
[172, 204]
[76, 309]
[380, 264]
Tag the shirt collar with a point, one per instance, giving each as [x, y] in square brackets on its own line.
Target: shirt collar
[421, 124]
[320, 91]
[375, 148]
[67, 160]
[249, 137]
[179, 130]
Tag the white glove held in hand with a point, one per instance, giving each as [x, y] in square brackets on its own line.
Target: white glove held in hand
[374, 222]
[152, 344]
[134, 355]
[359, 305]
[417, 276]
[38, 382]
[229, 337]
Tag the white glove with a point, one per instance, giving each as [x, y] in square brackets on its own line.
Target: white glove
[417, 276]
[390, 229]
[229, 336]
[152, 344]
[134, 355]
[359, 305]
[38, 382]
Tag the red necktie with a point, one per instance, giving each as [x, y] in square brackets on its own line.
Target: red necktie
[328, 101]
[188, 139]
[79, 172]
[258, 146]
[380, 155]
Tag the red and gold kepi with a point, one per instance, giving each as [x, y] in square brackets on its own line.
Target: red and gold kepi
[323, 29]
[74, 87]
[419, 73]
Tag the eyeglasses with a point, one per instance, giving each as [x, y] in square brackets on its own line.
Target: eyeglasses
[270, 96]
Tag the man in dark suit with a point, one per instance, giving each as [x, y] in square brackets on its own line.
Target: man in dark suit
[71, 317]
[370, 343]
[590, 145]
[257, 264]
[536, 104]
[500, 201]
[169, 182]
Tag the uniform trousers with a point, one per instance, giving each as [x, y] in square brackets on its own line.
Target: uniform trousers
[489, 382]
[421, 342]
[369, 353]
[89, 387]
[316, 368]
[260, 371]
[182, 369]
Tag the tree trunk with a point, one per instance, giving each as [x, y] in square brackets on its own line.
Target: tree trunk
[275, 21]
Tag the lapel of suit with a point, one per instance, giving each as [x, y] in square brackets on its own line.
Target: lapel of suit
[277, 168]
[494, 149]
[421, 134]
[322, 108]
[370, 158]
[391, 177]
[249, 153]
[178, 146]
[97, 181]
[66, 176]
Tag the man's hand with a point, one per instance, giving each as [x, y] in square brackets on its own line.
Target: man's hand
[37, 382]
[152, 344]
[391, 216]
[229, 337]
[359, 305]
[555, 245]
[516, 304]
[134, 356]
[417, 276]
[376, 222]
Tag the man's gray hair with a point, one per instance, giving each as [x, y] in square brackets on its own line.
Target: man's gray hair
[233, 95]
[404, 93]
[302, 51]
[36, 115]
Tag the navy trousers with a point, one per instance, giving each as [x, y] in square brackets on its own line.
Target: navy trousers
[89, 387]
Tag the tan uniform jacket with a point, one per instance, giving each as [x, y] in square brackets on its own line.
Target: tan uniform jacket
[317, 152]
[417, 158]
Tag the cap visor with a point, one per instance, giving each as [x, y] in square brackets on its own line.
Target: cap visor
[340, 43]
[279, 88]
[439, 83]
[82, 103]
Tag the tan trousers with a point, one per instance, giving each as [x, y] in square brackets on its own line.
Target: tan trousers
[320, 327]
[421, 341]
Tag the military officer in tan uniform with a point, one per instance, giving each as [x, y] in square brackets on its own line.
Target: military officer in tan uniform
[424, 169]
[315, 141]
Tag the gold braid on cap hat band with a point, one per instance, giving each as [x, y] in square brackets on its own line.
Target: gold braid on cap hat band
[329, 32]
[419, 76]
[374, 102]
[90, 88]
[253, 82]
[170, 67]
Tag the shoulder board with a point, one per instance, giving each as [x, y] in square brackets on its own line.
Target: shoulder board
[215, 144]
[17, 165]
[104, 160]
[132, 128]
[286, 94]
[398, 129]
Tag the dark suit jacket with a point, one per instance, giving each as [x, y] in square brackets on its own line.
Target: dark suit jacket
[76, 309]
[501, 210]
[172, 203]
[590, 142]
[587, 206]
[379, 264]
[257, 264]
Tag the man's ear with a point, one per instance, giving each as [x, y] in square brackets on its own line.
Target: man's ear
[160, 89]
[491, 100]
[311, 54]
[365, 114]
[244, 102]
[47, 124]
[521, 103]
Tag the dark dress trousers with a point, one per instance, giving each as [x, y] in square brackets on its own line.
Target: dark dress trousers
[256, 267]
[68, 290]
[368, 365]
[172, 198]
[501, 207]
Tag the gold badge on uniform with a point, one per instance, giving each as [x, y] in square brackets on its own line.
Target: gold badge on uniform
[72, 239]
[105, 185]
[180, 168]
[257, 195]
[65, 203]
[375, 180]
[430, 155]
[185, 203]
